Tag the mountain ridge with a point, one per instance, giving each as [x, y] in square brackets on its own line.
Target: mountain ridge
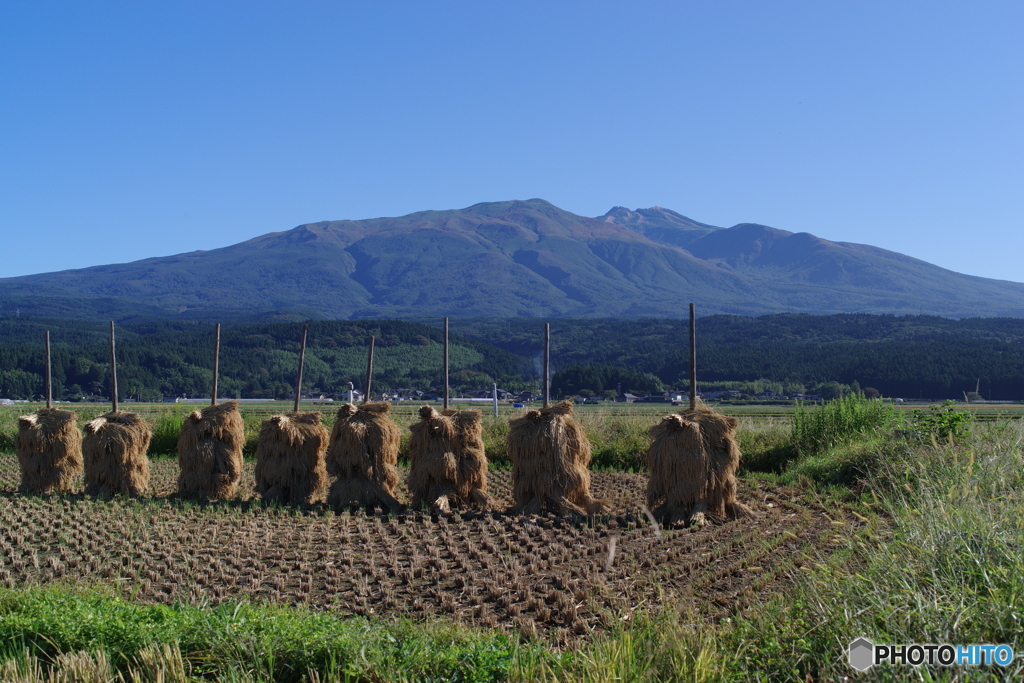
[523, 258]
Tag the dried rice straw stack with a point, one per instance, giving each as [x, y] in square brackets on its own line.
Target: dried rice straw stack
[290, 458]
[49, 448]
[114, 451]
[210, 452]
[363, 456]
[692, 461]
[550, 455]
[448, 464]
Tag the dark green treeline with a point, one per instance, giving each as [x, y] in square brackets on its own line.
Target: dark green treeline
[157, 359]
[909, 356]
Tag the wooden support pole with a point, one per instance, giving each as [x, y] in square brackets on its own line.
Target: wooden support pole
[547, 363]
[446, 363]
[113, 369]
[693, 361]
[302, 360]
[216, 364]
[49, 374]
[369, 371]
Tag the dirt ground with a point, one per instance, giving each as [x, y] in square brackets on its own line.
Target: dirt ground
[562, 575]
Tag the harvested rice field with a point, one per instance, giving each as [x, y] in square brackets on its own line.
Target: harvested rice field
[563, 576]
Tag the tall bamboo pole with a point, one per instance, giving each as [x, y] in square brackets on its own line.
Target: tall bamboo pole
[369, 371]
[49, 374]
[216, 364]
[547, 363]
[693, 362]
[113, 369]
[302, 360]
[446, 363]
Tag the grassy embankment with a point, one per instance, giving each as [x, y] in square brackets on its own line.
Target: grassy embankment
[941, 560]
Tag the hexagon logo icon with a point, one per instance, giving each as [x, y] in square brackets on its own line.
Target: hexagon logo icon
[862, 654]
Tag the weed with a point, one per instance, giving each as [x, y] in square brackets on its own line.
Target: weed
[943, 422]
[841, 421]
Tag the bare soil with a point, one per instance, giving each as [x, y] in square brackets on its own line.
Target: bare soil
[561, 575]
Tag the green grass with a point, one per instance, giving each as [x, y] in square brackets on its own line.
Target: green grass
[248, 642]
[948, 567]
[244, 642]
[166, 427]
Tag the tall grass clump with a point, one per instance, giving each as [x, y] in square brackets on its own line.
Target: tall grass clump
[839, 422]
[252, 434]
[495, 440]
[941, 562]
[958, 518]
[617, 442]
[166, 429]
[8, 429]
[765, 447]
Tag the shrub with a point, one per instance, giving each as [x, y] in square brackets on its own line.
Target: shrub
[943, 422]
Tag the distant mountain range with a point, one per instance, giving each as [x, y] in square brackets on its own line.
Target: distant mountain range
[515, 258]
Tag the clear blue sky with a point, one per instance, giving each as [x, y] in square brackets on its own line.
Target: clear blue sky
[135, 129]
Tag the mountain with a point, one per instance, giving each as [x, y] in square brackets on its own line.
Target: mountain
[515, 258]
[660, 225]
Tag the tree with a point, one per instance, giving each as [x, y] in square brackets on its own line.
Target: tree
[832, 390]
[598, 378]
[19, 383]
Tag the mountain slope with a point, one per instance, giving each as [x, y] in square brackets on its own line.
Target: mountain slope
[660, 225]
[515, 258]
[893, 279]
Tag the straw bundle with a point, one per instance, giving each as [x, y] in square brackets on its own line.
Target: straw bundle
[210, 451]
[114, 451]
[363, 456]
[49, 448]
[550, 455]
[448, 465]
[692, 461]
[290, 458]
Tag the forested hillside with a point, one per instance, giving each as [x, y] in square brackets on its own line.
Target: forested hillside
[256, 361]
[909, 356]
